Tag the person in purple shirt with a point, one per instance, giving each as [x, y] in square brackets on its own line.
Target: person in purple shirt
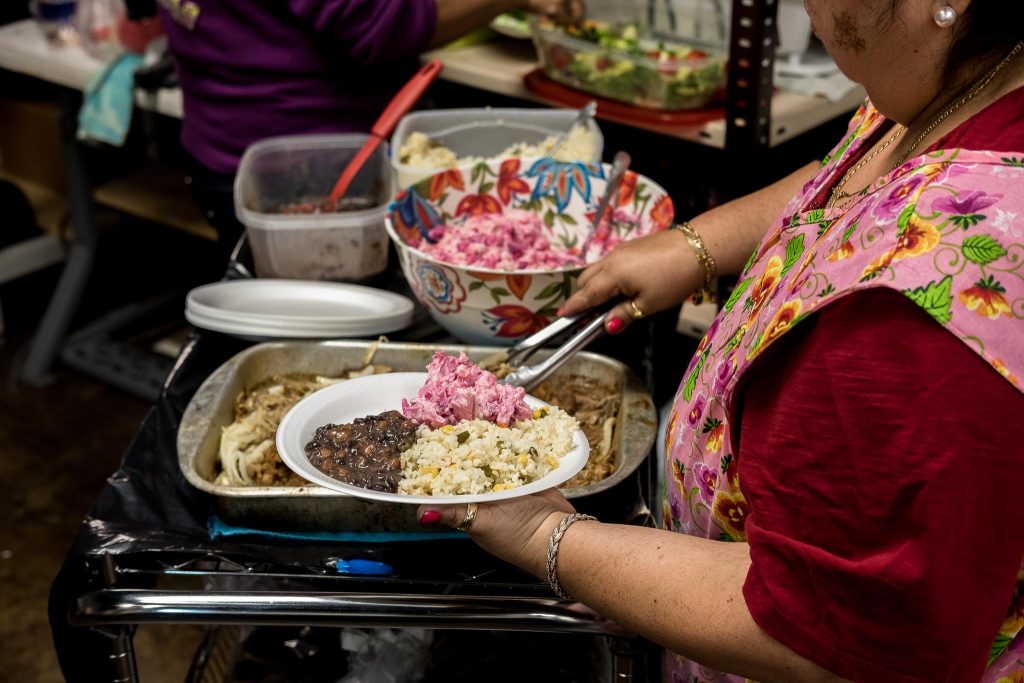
[252, 70]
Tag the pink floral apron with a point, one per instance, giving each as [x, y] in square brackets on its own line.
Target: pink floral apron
[946, 229]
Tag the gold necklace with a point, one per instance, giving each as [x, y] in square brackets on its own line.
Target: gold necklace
[837, 191]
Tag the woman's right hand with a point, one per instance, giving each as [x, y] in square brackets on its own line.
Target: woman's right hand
[560, 11]
[656, 272]
[660, 270]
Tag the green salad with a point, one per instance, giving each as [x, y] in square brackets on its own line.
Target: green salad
[617, 62]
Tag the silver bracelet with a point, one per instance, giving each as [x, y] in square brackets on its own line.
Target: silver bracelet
[553, 542]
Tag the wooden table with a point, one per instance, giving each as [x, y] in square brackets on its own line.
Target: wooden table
[156, 193]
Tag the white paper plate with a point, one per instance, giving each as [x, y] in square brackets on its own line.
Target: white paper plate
[325, 329]
[262, 331]
[374, 394]
[297, 308]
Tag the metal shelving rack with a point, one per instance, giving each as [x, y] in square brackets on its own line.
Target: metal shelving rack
[752, 42]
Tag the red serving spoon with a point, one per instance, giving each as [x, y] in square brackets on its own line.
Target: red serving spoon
[396, 109]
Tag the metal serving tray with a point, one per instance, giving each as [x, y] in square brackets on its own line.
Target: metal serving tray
[315, 508]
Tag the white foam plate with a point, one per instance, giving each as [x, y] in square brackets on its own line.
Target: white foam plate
[297, 308]
[265, 330]
[374, 394]
[340, 327]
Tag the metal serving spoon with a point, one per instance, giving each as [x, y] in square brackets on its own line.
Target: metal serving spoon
[586, 112]
[620, 164]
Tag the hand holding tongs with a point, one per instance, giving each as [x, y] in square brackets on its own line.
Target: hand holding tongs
[529, 376]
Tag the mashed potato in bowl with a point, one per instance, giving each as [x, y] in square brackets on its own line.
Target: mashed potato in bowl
[420, 151]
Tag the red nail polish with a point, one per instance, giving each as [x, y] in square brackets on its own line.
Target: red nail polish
[429, 517]
[614, 326]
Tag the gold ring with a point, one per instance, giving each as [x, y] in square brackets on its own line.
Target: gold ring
[637, 313]
[467, 521]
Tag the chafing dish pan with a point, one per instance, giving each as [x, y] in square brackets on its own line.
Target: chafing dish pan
[315, 508]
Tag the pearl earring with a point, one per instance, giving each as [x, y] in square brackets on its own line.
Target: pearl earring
[945, 16]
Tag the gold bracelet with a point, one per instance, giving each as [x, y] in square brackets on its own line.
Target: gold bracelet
[707, 263]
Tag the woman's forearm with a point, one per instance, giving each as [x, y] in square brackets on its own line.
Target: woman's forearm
[458, 17]
[732, 231]
[656, 584]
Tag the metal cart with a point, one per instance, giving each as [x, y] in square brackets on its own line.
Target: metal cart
[144, 555]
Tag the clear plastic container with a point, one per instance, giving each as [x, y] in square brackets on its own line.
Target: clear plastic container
[98, 22]
[277, 173]
[481, 133]
[621, 60]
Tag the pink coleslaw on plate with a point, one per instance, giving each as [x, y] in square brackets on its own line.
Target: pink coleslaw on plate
[456, 389]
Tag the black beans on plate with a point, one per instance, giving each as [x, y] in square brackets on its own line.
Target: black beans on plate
[366, 452]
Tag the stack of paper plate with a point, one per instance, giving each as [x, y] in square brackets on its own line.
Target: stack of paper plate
[296, 309]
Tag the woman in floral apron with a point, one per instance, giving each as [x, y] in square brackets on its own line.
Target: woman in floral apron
[845, 454]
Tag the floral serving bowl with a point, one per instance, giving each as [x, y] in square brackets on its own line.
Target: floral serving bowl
[489, 306]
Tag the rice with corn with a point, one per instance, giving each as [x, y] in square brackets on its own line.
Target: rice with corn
[478, 456]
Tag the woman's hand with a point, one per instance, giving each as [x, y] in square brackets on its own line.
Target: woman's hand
[656, 272]
[516, 530]
[561, 11]
[660, 270]
[456, 18]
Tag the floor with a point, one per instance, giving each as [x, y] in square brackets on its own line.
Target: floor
[57, 445]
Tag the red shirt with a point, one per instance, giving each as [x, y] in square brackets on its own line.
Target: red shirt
[882, 458]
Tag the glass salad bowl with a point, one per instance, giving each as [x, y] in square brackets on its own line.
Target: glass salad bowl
[617, 60]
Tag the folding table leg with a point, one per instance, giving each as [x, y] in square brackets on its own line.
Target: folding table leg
[49, 338]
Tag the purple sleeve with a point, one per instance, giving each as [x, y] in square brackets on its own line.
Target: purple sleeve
[372, 31]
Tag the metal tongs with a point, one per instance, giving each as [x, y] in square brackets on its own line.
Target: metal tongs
[588, 325]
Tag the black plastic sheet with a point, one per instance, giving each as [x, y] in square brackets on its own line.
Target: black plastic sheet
[147, 509]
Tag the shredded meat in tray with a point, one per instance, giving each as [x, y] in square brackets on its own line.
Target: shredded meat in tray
[248, 455]
[596, 406]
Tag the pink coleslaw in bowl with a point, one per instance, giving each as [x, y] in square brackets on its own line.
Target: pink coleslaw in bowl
[515, 240]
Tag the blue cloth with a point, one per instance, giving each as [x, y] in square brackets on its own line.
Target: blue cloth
[221, 529]
[106, 112]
